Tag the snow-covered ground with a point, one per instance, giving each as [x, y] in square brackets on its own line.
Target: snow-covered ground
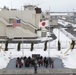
[65, 23]
[69, 60]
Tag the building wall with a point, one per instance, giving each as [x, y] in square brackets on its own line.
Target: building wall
[15, 32]
[27, 16]
[18, 32]
[53, 22]
[2, 29]
[37, 19]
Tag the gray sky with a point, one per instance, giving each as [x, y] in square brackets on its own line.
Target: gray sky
[55, 5]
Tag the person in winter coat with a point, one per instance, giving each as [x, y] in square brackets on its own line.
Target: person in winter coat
[35, 66]
[46, 62]
[22, 61]
[20, 64]
[52, 63]
[17, 63]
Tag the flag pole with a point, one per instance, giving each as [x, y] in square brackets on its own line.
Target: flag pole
[22, 33]
[49, 34]
[11, 5]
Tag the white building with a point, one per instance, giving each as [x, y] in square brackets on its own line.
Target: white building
[29, 26]
[30, 18]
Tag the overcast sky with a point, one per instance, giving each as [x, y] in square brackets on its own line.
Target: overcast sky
[55, 5]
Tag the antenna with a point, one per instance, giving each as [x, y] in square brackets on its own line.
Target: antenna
[32, 2]
[11, 5]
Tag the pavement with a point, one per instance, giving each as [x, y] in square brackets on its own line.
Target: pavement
[57, 65]
[57, 70]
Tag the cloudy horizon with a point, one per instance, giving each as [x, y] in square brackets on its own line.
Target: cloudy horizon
[55, 5]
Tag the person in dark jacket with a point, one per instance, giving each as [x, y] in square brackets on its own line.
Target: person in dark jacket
[20, 64]
[17, 63]
[46, 62]
[35, 66]
[52, 63]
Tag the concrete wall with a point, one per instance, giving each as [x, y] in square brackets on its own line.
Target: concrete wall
[38, 16]
[15, 32]
[25, 29]
[53, 22]
[18, 32]
[2, 29]
[27, 16]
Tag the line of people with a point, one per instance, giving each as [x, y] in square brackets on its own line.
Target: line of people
[34, 62]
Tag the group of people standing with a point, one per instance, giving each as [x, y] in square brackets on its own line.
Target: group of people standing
[30, 62]
[34, 62]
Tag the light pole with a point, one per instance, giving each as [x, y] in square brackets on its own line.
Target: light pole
[49, 35]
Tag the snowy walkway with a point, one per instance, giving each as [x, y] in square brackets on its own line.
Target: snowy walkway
[57, 65]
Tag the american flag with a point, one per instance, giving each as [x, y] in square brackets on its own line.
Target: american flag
[16, 23]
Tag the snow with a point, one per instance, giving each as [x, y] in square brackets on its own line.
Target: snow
[65, 23]
[62, 22]
[68, 60]
[74, 30]
[44, 38]
[58, 14]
